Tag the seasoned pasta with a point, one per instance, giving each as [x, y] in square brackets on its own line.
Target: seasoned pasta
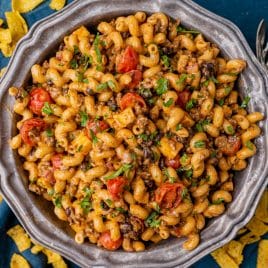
[134, 131]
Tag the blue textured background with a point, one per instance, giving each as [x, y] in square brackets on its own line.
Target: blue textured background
[245, 14]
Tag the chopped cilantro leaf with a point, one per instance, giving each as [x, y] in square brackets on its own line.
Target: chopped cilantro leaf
[152, 220]
[123, 169]
[47, 109]
[245, 102]
[190, 104]
[168, 103]
[162, 86]
[200, 144]
[84, 118]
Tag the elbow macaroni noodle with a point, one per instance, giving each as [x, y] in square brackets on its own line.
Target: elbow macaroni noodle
[134, 132]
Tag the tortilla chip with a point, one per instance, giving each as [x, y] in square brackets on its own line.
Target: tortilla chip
[16, 25]
[17, 261]
[52, 257]
[223, 259]
[235, 250]
[57, 4]
[5, 36]
[257, 227]
[20, 237]
[262, 210]
[24, 6]
[242, 231]
[36, 249]
[6, 49]
[262, 260]
[1, 22]
[59, 264]
[249, 238]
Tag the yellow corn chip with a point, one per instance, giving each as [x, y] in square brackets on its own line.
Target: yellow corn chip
[59, 264]
[262, 209]
[24, 6]
[17, 261]
[36, 249]
[57, 4]
[262, 260]
[16, 25]
[249, 238]
[257, 227]
[1, 198]
[242, 231]
[235, 249]
[52, 257]
[5, 36]
[6, 49]
[1, 22]
[223, 259]
[20, 238]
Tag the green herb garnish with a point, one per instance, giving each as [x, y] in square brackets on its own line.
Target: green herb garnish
[199, 144]
[49, 132]
[123, 169]
[74, 64]
[57, 202]
[47, 109]
[245, 102]
[184, 193]
[218, 201]
[84, 118]
[168, 103]
[152, 220]
[97, 51]
[178, 127]
[249, 145]
[201, 124]
[230, 130]
[161, 86]
[170, 178]
[181, 29]
[182, 79]
[190, 104]
[93, 137]
[166, 61]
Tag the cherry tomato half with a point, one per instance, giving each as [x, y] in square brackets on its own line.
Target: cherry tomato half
[136, 76]
[130, 99]
[96, 126]
[106, 241]
[127, 61]
[56, 160]
[174, 163]
[38, 97]
[183, 98]
[29, 125]
[168, 195]
[115, 187]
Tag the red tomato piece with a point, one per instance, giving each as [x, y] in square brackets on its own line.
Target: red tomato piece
[174, 163]
[136, 76]
[29, 125]
[106, 241]
[183, 98]
[96, 126]
[38, 97]
[56, 160]
[116, 186]
[127, 61]
[130, 99]
[228, 145]
[168, 195]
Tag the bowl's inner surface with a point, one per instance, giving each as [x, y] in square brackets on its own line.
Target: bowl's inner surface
[44, 224]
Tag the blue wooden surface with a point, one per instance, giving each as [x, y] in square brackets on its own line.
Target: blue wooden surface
[245, 14]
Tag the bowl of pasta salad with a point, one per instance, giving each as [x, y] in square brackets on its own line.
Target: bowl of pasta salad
[134, 128]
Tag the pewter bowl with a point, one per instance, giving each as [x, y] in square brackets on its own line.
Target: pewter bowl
[36, 215]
